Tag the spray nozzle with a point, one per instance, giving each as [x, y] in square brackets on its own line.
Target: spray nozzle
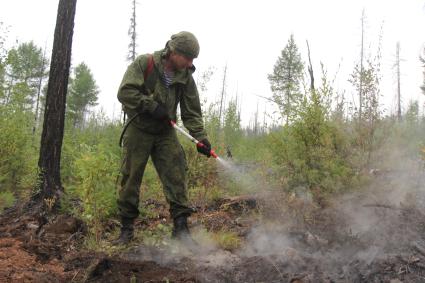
[198, 143]
[212, 153]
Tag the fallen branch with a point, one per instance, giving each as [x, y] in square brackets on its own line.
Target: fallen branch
[382, 206]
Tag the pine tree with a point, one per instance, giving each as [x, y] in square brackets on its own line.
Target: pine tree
[49, 182]
[83, 93]
[286, 78]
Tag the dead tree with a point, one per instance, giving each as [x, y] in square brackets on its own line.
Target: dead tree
[398, 82]
[40, 82]
[49, 185]
[310, 68]
[223, 95]
[361, 67]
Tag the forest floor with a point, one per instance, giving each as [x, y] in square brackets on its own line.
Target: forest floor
[375, 235]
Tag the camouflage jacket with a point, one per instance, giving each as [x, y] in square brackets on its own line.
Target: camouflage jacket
[140, 96]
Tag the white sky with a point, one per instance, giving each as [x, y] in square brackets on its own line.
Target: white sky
[247, 35]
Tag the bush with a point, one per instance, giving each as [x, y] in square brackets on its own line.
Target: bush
[7, 199]
[96, 172]
[18, 163]
[312, 152]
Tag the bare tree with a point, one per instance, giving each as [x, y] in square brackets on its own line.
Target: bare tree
[223, 95]
[42, 74]
[310, 68]
[398, 82]
[363, 19]
[49, 185]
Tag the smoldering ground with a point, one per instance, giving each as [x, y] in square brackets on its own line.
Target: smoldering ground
[376, 234]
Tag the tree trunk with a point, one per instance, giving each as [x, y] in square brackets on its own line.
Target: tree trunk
[310, 68]
[398, 83]
[50, 186]
[361, 69]
[223, 91]
[40, 81]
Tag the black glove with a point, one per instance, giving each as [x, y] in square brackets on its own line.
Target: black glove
[206, 149]
[161, 113]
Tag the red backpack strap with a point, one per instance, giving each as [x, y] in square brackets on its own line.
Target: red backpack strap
[149, 68]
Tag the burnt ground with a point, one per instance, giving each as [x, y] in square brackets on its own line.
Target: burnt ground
[376, 235]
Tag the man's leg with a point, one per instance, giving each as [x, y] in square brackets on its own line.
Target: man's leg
[137, 147]
[170, 163]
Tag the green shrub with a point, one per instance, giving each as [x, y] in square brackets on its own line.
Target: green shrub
[7, 199]
[96, 171]
[312, 151]
[18, 157]
[227, 240]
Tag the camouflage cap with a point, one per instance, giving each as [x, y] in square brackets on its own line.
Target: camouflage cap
[184, 43]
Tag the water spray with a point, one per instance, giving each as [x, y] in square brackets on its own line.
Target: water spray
[195, 141]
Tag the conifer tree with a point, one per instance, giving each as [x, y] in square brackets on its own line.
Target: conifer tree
[49, 181]
[83, 93]
[286, 79]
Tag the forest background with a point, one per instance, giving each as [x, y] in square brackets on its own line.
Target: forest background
[315, 141]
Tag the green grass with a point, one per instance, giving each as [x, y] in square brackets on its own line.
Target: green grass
[7, 199]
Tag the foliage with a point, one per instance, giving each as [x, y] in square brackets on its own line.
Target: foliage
[95, 185]
[17, 154]
[285, 80]
[312, 151]
[7, 199]
[227, 240]
[83, 93]
[24, 68]
[232, 125]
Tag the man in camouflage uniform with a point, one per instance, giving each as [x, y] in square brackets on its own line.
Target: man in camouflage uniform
[152, 88]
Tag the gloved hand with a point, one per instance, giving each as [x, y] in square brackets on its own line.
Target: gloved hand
[206, 149]
[161, 113]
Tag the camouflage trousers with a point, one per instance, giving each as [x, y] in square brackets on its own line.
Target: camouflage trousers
[170, 163]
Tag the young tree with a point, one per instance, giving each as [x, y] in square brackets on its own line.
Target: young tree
[50, 186]
[23, 71]
[365, 78]
[83, 93]
[232, 124]
[286, 79]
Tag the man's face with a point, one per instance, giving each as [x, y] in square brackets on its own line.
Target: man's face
[180, 62]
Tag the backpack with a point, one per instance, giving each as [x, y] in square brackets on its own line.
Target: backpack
[146, 75]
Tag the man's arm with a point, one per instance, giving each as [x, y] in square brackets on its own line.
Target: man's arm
[191, 113]
[133, 93]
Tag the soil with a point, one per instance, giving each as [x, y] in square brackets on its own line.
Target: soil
[363, 237]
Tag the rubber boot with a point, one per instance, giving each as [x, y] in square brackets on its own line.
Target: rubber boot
[127, 231]
[181, 232]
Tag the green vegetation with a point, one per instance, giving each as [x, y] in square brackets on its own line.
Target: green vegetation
[320, 147]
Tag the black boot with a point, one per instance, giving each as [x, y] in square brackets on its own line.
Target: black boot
[127, 231]
[181, 232]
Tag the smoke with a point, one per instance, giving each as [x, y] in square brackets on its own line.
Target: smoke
[245, 177]
[294, 236]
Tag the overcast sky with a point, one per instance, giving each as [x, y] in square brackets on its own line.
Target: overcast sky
[246, 35]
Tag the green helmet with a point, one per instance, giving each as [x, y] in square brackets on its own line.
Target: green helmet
[184, 43]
